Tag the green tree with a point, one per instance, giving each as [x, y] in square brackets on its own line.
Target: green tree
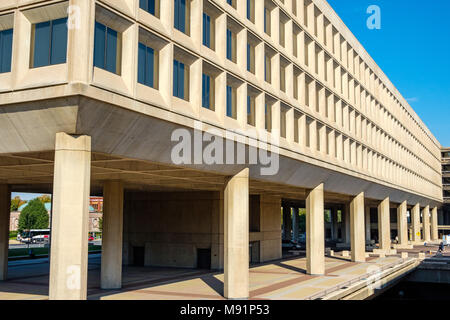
[33, 216]
[16, 202]
[302, 220]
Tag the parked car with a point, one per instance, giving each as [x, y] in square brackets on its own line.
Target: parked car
[291, 245]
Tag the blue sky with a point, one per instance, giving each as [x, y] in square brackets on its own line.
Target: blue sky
[26, 196]
[413, 49]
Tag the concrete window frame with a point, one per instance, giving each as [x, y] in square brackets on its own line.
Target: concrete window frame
[214, 73]
[162, 51]
[252, 100]
[26, 76]
[191, 103]
[125, 79]
[282, 29]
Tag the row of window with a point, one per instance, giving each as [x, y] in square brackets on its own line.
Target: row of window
[231, 55]
[181, 22]
[50, 43]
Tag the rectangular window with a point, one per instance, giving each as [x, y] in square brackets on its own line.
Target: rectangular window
[206, 30]
[267, 69]
[282, 33]
[231, 45]
[251, 10]
[267, 21]
[231, 102]
[250, 58]
[207, 92]
[268, 117]
[181, 15]
[149, 6]
[106, 48]
[147, 66]
[6, 37]
[180, 80]
[283, 79]
[232, 3]
[50, 43]
[251, 110]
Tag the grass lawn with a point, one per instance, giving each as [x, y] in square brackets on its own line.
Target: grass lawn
[39, 251]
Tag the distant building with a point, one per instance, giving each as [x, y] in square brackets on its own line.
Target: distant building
[444, 213]
[95, 214]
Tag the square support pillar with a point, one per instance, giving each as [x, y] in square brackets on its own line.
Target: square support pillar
[358, 246]
[384, 226]
[315, 237]
[236, 237]
[111, 269]
[69, 238]
[415, 223]
[402, 224]
[426, 224]
[5, 206]
[434, 224]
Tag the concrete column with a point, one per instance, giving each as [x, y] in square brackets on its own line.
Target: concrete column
[71, 186]
[384, 227]
[415, 222]
[426, 224]
[236, 237]
[367, 224]
[111, 270]
[295, 224]
[315, 238]
[434, 224]
[358, 245]
[347, 223]
[5, 206]
[402, 224]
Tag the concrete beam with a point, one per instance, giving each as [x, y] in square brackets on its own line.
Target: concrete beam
[5, 205]
[402, 223]
[111, 269]
[315, 238]
[358, 245]
[236, 237]
[69, 239]
[384, 226]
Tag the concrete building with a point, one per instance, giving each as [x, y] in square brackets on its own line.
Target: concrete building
[104, 104]
[95, 214]
[444, 213]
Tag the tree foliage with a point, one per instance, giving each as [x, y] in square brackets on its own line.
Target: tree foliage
[16, 202]
[45, 198]
[33, 216]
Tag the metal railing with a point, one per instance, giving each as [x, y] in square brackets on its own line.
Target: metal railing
[355, 280]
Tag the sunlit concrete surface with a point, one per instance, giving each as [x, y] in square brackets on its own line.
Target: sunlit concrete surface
[279, 280]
